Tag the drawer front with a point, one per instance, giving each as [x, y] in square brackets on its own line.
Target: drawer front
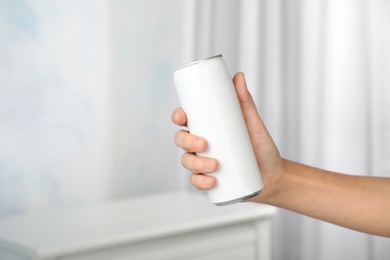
[10, 256]
[232, 242]
[245, 253]
[9, 252]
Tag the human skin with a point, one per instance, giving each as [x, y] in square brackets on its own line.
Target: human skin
[361, 203]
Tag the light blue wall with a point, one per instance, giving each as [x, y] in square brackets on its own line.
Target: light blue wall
[144, 58]
[85, 98]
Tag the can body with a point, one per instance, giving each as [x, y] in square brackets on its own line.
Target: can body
[207, 96]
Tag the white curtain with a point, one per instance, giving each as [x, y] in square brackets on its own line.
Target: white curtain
[319, 72]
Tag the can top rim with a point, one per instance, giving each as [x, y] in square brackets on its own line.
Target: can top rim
[199, 61]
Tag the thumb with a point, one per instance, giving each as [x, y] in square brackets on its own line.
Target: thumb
[267, 154]
[252, 119]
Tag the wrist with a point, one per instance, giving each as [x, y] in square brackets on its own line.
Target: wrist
[274, 182]
[279, 184]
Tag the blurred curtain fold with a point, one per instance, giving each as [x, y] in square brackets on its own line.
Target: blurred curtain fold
[319, 72]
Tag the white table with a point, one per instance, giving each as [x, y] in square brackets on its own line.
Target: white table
[175, 225]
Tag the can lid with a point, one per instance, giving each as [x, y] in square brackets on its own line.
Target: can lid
[199, 61]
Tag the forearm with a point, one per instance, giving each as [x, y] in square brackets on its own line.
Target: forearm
[357, 202]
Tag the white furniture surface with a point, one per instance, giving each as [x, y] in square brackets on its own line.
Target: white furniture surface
[174, 225]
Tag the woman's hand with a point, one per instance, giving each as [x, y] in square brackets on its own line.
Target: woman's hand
[268, 158]
[356, 202]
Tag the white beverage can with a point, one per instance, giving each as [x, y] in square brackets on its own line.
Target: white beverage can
[208, 97]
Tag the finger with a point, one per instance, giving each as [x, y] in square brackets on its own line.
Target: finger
[248, 107]
[179, 117]
[198, 164]
[202, 182]
[190, 142]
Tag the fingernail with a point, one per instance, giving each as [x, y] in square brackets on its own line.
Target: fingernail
[207, 181]
[209, 165]
[177, 117]
[198, 144]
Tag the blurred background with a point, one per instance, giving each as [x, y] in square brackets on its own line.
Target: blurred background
[86, 94]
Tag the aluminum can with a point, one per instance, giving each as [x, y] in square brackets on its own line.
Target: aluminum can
[207, 95]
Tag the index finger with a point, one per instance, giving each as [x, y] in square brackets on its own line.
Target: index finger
[179, 117]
